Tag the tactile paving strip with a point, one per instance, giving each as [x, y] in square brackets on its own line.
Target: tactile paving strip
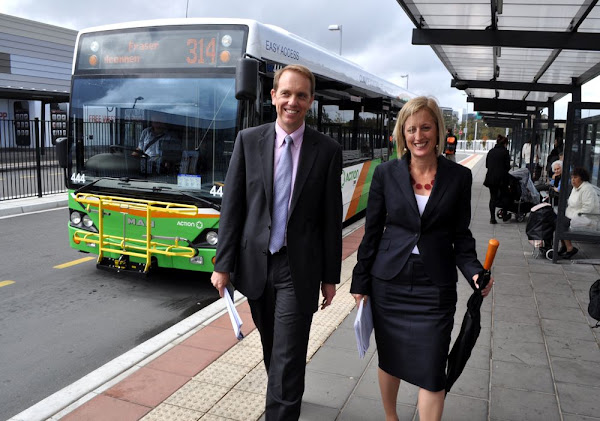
[252, 340]
[166, 412]
[197, 396]
[222, 374]
[255, 381]
[242, 355]
[240, 405]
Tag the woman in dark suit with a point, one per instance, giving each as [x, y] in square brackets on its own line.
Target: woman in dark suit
[416, 234]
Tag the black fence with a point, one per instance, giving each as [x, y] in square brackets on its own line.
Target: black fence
[28, 163]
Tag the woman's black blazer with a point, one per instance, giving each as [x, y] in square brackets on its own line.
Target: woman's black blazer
[393, 226]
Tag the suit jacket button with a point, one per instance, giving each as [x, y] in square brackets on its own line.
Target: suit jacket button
[264, 252]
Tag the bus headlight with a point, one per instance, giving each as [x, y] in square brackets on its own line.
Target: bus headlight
[87, 221]
[212, 238]
[75, 218]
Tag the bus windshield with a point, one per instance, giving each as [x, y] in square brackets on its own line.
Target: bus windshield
[165, 130]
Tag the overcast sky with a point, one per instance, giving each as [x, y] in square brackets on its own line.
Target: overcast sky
[376, 33]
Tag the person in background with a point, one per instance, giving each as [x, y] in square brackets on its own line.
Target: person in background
[556, 175]
[153, 141]
[582, 200]
[416, 235]
[555, 182]
[497, 163]
[450, 151]
[280, 234]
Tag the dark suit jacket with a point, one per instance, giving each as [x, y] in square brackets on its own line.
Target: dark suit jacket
[498, 164]
[394, 226]
[314, 230]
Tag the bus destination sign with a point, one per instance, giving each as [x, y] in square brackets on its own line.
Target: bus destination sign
[161, 49]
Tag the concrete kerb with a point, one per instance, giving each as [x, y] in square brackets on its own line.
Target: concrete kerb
[16, 207]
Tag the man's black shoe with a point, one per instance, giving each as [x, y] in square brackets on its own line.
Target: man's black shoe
[562, 250]
[493, 221]
[570, 254]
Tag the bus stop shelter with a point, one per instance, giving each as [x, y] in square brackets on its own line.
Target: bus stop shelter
[516, 58]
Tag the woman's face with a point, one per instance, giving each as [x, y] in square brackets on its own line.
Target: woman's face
[558, 170]
[576, 181]
[420, 132]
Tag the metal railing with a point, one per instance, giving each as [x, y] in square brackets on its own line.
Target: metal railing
[28, 162]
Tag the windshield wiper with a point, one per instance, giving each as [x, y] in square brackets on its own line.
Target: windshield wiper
[213, 205]
[86, 187]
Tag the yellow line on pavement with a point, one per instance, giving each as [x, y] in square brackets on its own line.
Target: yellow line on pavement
[5, 283]
[74, 262]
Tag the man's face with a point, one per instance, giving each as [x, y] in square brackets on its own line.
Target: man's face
[292, 100]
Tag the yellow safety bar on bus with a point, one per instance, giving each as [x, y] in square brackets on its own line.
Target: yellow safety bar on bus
[131, 246]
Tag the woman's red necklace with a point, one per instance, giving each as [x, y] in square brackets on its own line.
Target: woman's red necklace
[419, 186]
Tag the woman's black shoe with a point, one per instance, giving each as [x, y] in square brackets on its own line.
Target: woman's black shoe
[562, 250]
[570, 254]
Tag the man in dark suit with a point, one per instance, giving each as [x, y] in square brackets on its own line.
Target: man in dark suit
[497, 163]
[277, 266]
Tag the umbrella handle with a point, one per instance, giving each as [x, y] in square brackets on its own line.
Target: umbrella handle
[491, 253]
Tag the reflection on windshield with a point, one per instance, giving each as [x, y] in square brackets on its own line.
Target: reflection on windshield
[176, 131]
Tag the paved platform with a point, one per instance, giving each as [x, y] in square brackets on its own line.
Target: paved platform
[537, 357]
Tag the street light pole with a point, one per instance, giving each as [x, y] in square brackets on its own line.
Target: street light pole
[337, 28]
[405, 76]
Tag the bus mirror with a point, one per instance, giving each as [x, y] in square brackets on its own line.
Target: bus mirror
[246, 79]
[62, 152]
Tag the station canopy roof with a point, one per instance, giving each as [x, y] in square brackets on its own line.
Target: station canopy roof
[511, 57]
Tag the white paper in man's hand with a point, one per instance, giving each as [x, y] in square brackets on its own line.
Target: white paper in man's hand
[236, 321]
[363, 327]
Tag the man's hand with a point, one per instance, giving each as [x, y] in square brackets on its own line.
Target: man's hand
[328, 291]
[359, 297]
[220, 281]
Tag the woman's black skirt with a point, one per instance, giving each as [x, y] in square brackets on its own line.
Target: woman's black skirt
[413, 321]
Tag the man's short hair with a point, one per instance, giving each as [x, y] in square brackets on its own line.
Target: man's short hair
[302, 70]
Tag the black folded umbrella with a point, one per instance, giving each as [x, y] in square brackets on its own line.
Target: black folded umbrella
[471, 325]
[469, 332]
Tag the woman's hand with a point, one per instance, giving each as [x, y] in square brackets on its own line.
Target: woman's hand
[359, 297]
[487, 289]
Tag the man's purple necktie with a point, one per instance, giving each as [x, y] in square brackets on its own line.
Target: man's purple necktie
[282, 190]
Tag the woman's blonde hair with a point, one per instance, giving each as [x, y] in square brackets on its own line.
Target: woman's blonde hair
[413, 106]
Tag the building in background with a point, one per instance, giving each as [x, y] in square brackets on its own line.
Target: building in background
[35, 79]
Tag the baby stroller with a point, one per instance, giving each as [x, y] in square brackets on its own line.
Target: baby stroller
[518, 195]
[540, 228]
